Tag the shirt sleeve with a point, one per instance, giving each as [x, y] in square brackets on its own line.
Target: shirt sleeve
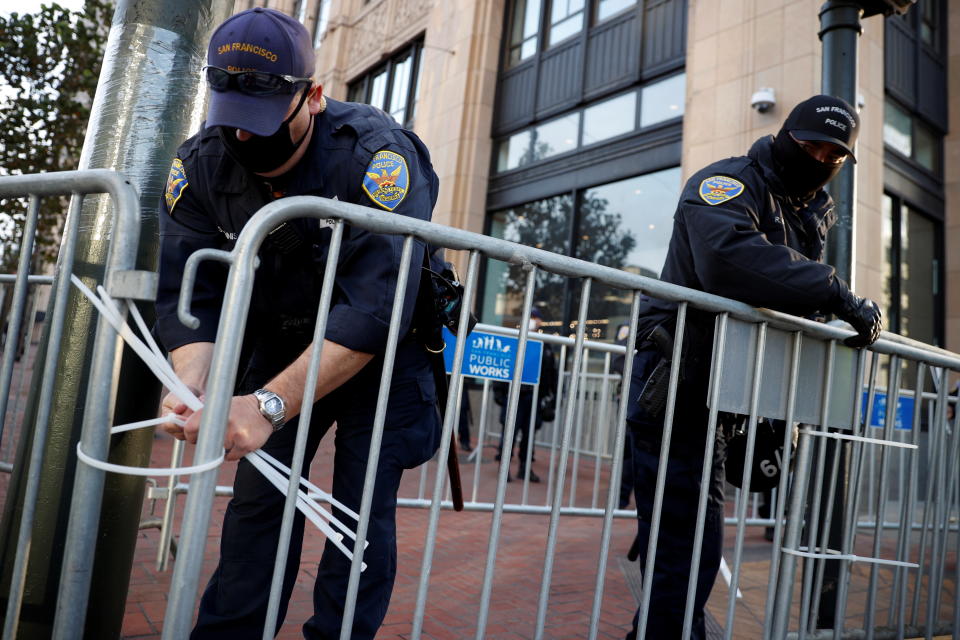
[370, 262]
[733, 258]
[185, 228]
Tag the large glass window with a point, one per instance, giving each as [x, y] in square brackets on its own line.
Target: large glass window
[524, 27]
[659, 102]
[514, 151]
[663, 100]
[392, 86]
[321, 20]
[566, 19]
[607, 8]
[556, 136]
[897, 129]
[910, 136]
[543, 224]
[625, 225]
[610, 118]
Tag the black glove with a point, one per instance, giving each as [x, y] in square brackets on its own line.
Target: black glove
[865, 317]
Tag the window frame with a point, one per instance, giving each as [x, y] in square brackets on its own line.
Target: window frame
[637, 90]
[363, 82]
[916, 120]
[898, 209]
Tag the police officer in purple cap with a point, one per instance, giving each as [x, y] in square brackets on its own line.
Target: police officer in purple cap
[751, 228]
[270, 133]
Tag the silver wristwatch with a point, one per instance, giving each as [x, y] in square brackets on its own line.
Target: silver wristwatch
[271, 407]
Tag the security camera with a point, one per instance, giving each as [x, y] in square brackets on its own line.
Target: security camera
[763, 100]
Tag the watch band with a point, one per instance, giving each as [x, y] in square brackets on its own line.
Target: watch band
[271, 407]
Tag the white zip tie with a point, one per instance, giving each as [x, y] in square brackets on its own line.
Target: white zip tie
[307, 499]
[165, 419]
[270, 467]
[836, 555]
[331, 535]
[309, 485]
[847, 436]
[147, 471]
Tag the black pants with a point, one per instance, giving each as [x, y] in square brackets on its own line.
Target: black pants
[522, 429]
[235, 601]
[678, 521]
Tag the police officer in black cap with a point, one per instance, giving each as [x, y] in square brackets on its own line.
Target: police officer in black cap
[271, 133]
[751, 228]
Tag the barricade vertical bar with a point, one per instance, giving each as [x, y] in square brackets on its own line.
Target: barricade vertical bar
[166, 527]
[929, 515]
[578, 431]
[620, 430]
[893, 397]
[303, 430]
[669, 413]
[853, 496]
[901, 575]
[554, 430]
[781, 502]
[745, 482]
[25, 534]
[508, 433]
[17, 306]
[837, 449]
[602, 429]
[213, 422]
[451, 413]
[788, 562]
[481, 435]
[579, 357]
[373, 458]
[948, 484]
[805, 606]
[531, 442]
[720, 342]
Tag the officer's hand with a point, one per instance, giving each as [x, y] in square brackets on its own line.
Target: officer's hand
[864, 316]
[173, 405]
[247, 429]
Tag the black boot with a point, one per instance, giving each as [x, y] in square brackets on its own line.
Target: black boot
[533, 476]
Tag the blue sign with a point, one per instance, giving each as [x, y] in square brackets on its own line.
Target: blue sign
[878, 416]
[487, 355]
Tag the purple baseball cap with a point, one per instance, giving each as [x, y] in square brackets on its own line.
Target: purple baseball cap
[257, 39]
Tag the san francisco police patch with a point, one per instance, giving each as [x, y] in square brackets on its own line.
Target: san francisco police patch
[387, 179]
[176, 183]
[717, 189]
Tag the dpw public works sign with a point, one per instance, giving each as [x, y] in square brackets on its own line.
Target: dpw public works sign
[494, 357]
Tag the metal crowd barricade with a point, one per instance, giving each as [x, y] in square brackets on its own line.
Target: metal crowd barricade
[790, 368]
[120, 264]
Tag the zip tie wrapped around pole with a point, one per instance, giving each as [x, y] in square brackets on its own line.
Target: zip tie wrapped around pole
[271, 468]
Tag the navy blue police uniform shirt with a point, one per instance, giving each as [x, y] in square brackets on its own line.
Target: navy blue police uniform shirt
[737, 234]
[357, 154]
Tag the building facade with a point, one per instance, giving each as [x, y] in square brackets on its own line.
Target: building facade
[571, 125]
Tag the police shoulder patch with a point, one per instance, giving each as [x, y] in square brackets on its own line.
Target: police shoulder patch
[717, 189]
[176, 183]
[387, 179]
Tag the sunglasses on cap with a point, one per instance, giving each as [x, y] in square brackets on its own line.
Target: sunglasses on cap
[253, 83]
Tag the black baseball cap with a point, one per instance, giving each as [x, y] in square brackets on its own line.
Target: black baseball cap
[257, 39]
[825, 119]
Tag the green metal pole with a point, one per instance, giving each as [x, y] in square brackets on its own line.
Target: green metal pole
[149, 98]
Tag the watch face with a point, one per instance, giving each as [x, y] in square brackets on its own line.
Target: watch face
[273, 405]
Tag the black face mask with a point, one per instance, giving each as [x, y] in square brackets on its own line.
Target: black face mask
[263, 154]
[801, 174]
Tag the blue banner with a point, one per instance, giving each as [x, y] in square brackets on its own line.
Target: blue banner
[494, 357]
[904, 419]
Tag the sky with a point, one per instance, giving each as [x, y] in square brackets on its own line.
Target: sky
[33, 6]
